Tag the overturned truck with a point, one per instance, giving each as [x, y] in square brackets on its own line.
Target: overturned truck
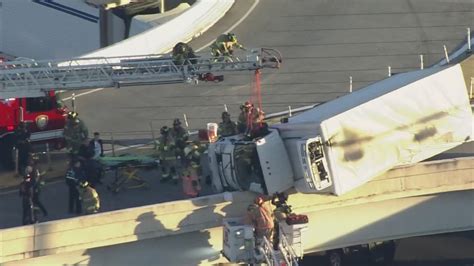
[342, 144]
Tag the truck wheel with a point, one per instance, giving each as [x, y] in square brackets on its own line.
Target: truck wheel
[334, 257]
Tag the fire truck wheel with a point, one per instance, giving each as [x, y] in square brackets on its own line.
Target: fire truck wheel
[6, 153]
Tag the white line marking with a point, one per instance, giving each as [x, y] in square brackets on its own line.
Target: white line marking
[235, 24]
[84, 93]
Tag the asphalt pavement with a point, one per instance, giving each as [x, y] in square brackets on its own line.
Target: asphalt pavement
[323, 43]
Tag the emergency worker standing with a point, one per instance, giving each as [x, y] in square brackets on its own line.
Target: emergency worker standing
[280, 213]
[192, 170]
[227, 127]
[224, 45]
[74, 176]
[180, 136]
[260, 216]
[248, 117]
[27, 194]
[23, 145]
[75, 132]
[35, 175]
[97, 146]
[89, 198]
[166, 150]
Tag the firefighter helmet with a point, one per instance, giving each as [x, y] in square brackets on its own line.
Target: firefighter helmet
[72, 115]
[225, 114]
[84, 183]
[180, 47]
[231, 37]
[164, 130]
[176, 122]
[259, 199]
[247, 105]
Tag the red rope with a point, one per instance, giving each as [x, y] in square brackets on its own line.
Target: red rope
[255, 96]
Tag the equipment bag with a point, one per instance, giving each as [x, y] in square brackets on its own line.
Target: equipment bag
[296, 219]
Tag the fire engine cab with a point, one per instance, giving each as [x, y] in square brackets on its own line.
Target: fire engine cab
[44, 116]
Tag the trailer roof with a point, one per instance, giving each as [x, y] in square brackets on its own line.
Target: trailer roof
[361, 96]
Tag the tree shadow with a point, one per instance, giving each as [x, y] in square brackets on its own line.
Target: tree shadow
[182, 242]
[146, 250]
[204, 248]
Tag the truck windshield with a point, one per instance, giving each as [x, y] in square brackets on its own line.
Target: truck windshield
[247, 165]
[39, 104]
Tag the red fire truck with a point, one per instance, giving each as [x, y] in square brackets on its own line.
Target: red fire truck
[44, 116]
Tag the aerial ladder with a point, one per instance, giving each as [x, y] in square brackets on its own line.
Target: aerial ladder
[32, 78]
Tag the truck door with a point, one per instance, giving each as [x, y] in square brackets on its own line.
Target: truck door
[275, 163]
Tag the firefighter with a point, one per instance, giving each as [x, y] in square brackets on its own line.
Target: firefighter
[247, 118]
[242, 120]
[227, 127]
[166, 150]
[190, 175]
[182, 52]
[258, 128]
[180, 136]
[89, 198]
[281, 211]
[35, 174]
[224, 45]
[23, 145]
[260, 216]
[74, 176]
[75, 132]
[27, 194]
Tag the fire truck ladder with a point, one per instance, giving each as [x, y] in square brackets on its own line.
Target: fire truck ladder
[31, 78]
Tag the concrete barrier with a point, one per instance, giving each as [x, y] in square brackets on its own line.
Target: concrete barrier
[120, 226]
[143, 23]
[161, 39]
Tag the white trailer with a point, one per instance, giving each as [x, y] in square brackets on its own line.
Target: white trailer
[342, 144]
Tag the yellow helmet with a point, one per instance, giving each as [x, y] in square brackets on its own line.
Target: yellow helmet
[231, 37]
[84, 183]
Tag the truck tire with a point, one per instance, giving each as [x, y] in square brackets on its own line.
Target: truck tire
[6, 153]
[334, 257]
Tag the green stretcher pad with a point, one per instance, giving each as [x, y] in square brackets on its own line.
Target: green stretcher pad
[120, 161]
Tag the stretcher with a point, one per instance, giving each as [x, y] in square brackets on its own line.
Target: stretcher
[126, 169]
[114, 162]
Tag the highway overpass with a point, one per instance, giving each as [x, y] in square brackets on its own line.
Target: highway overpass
[324, 44]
